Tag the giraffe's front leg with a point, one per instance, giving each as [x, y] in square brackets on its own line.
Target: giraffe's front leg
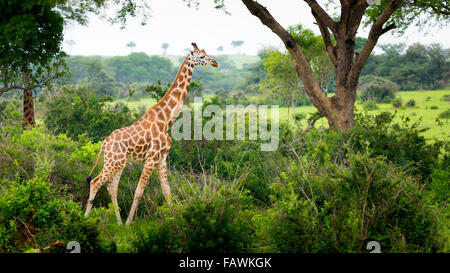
[148, 169]
[162, 174]
[95, 185]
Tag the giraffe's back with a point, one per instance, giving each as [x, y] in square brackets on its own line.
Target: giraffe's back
[138, 141]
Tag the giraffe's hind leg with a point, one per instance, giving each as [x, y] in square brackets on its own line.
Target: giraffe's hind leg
[112, 190]
[107, 173]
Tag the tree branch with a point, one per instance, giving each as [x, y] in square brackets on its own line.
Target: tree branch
[6, 87]
[320, 13]
[312, 87]
[329, 47]
[375, 32]
[386, 29]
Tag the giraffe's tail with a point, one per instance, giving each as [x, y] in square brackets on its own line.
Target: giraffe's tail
[89, 178]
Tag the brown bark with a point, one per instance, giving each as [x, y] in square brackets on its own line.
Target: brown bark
[338, 109]
[28, 108]
[28, 104]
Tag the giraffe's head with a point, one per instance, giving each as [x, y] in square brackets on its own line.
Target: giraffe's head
[199, 57]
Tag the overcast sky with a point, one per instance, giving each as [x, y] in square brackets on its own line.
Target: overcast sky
[174, 23]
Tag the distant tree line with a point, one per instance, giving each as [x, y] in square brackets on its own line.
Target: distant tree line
[115, 76]
[410, 68]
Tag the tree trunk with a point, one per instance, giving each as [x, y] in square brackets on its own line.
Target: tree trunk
[338, 109]
[28, 108]
[28, 104]
[342, 119]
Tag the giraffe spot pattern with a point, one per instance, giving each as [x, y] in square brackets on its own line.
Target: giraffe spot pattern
[146, 140]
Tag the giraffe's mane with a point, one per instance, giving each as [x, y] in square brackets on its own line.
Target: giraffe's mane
[171, 87]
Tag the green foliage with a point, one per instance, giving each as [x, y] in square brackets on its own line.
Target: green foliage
[373, 88]
[33, 215]
[231, 98]
[282, 78]
[410, 103]
[324, 207]
[313, 48]
[418, 12]
[77, 111]
[397, 102]
[445, 114]
[229, 159]
[434, 107]
[99, 80]
[417, 67]
[30, 48]
[203, 219]
[370, 105]
[401, 143]
[139, 67]
[157, 91]
[440, 185]
[31, 33]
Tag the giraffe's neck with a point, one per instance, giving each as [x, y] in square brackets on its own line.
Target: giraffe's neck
[174, 98]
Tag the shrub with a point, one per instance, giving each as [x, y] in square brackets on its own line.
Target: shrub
[78, 111]
[203, 219]
[324, 207]
[370, 105]
[397, 102]
[434, 107]
[411, 103]
[401, 143]
[445, 114]
[229, 160]
[6, 106]
[33, 215]
[440, 184]
[377, 88]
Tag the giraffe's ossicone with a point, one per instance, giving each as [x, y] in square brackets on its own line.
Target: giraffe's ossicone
[146, 141]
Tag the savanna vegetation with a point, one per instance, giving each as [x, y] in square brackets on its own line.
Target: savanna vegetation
[385, 179]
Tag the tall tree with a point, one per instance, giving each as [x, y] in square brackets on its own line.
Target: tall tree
[32, 32]
[339, 37]
[131, 45]
[164, 47]
[236, 44]
[31, 37]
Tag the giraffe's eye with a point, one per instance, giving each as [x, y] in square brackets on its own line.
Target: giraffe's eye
[202, 57]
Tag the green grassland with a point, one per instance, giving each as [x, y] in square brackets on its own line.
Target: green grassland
[423, 110]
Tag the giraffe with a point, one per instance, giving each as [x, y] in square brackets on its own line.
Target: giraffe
[146, 141]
